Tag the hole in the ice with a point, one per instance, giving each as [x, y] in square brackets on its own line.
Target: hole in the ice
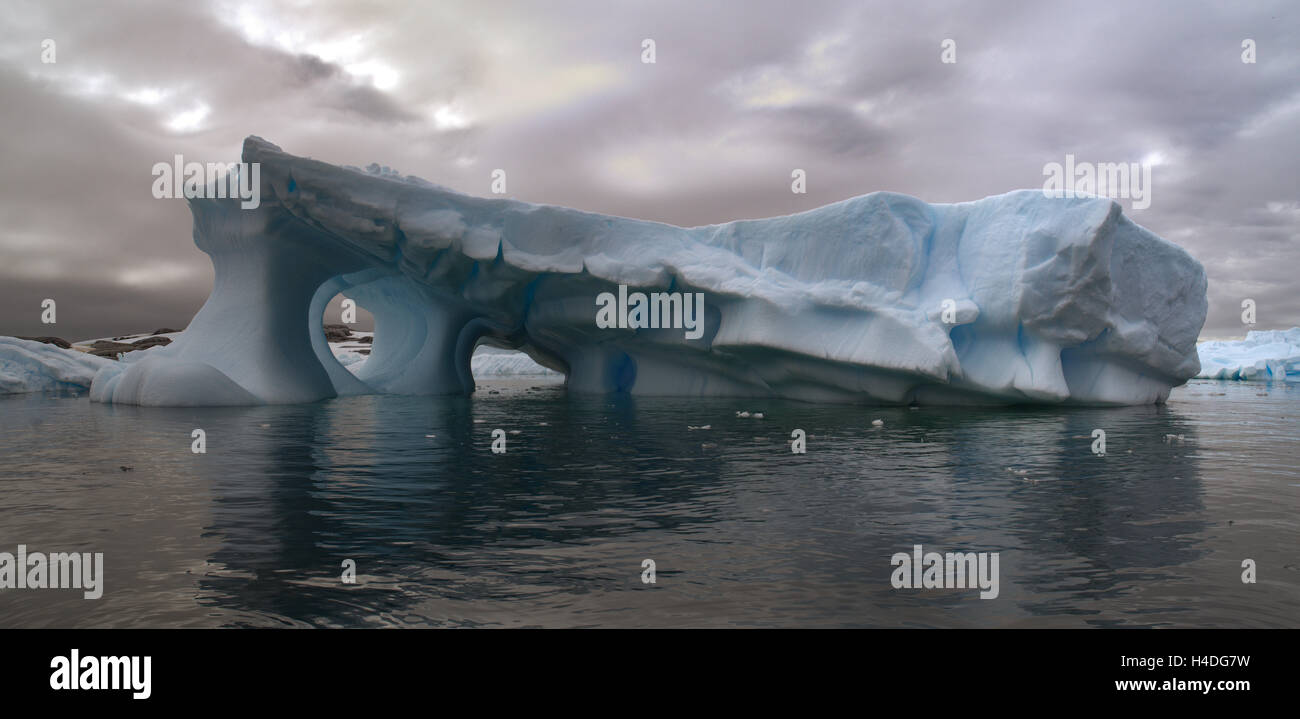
[494, 367]
[349, 330]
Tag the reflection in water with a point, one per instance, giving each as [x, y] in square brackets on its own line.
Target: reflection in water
[553, 532]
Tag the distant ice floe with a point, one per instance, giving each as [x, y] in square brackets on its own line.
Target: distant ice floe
[487, 363]
[27, 366]
[1264, 356]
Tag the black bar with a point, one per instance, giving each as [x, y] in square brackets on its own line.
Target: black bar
[959, 669]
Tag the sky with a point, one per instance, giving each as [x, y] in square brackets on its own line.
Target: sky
[856, 94]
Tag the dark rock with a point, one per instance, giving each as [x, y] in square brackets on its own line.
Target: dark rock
[165, 331]
[366, 340]
[363, 352]
[56, 341]
[151, 342]
[108, 345]
[337, 333]
[105, 348]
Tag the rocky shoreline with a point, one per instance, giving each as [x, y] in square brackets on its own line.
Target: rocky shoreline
[112, 348]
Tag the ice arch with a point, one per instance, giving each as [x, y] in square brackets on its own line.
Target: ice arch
[879, 298]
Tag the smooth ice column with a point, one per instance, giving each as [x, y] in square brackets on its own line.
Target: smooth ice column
[254, 327]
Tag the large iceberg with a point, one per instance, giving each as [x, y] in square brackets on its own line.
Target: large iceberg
[883, 298]
[1265, 355]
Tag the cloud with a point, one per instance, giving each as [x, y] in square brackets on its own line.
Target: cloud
[854, 94]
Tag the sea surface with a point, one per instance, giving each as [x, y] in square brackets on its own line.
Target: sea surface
[555, 531]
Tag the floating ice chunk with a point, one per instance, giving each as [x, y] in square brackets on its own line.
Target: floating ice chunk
[27, 366]
[1265, 355]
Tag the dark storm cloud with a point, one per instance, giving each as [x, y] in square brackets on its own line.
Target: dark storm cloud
[335, 90]
[741, 93]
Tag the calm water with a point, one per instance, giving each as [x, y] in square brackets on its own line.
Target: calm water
[742, 531]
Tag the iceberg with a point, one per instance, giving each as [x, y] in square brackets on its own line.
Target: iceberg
[27, 366]
[1265, 355]
[882, 298]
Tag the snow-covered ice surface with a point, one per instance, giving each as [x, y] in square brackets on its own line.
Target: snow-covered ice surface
[1265, 355]
[488, 362]
[27, 366]
[347, 357]
[881, 298]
